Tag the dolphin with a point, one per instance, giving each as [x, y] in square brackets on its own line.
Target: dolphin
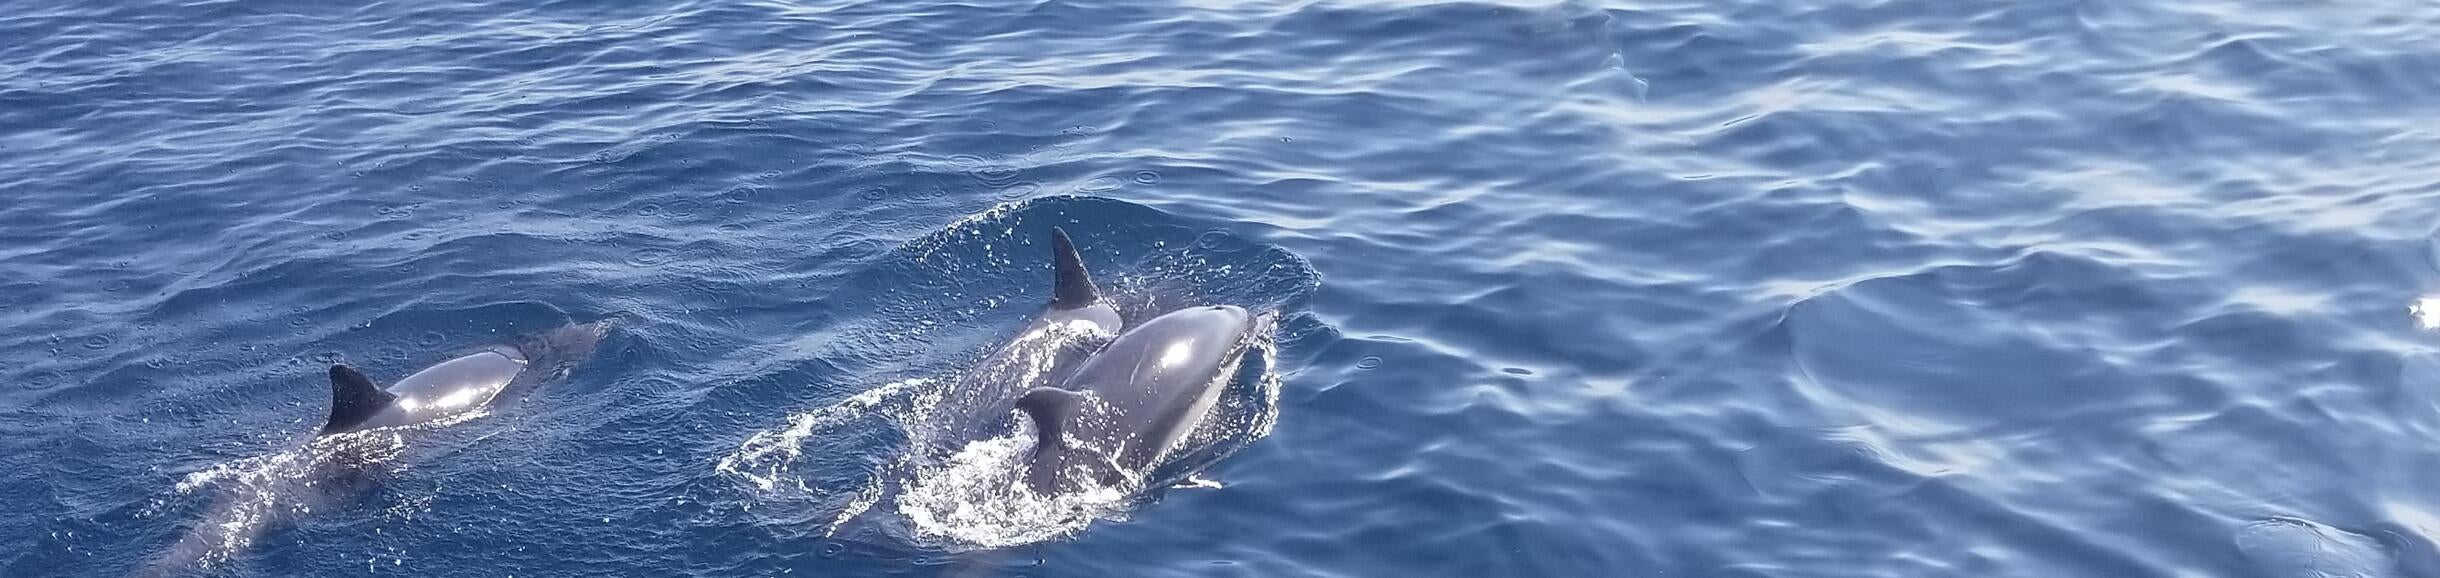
[1134, 403]
[1074, 324]
[260, 491]
[454, 387]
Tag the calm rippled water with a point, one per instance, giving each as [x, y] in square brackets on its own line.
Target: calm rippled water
[1738, 288]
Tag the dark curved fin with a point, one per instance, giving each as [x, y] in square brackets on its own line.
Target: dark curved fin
[1050, 408]
[1073, 286]
[353, 399]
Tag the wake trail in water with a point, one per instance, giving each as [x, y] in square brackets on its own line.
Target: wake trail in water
[259, 493]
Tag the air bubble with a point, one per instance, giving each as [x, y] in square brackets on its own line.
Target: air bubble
[682, 209]
[839, 240]
[740, 193]
[649, 256]
[45, 379]
[993, 173]
[1020, 190]
[1100, 185]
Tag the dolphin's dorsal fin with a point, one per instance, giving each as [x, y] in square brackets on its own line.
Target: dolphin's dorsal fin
[353, 399]
[1072, 286]
[1050, 408]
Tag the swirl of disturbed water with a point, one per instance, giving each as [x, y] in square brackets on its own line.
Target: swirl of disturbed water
[941, 478]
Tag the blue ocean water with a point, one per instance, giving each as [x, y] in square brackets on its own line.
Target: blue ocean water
[1739, 288]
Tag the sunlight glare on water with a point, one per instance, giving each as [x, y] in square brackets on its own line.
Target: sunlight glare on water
[1903, 288]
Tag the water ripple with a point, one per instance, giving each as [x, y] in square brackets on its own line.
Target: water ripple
[1891, 288]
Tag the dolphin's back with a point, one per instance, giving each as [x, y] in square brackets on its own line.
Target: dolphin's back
[479, 371]
[450, 388]
[1158, 380]
[1069, 329]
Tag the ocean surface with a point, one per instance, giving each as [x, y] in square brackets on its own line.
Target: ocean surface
[1736, 288]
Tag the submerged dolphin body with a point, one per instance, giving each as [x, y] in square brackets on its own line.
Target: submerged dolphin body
[1133, 404]
[258, 492]
[1069, 328]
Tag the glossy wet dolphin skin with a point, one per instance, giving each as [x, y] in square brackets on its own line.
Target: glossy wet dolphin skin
[1046, 352]
[1068, 329]
[1143, 394]
[449, 388]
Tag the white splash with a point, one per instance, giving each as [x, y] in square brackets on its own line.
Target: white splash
[257, 492]
[965, 494]
[2426, 312]
[978, 499]
[767, 457]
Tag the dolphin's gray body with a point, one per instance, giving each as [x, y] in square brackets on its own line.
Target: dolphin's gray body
[451, 388]
[456, 386]
[1133, 403]
[1072, 326]
[329, 467]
